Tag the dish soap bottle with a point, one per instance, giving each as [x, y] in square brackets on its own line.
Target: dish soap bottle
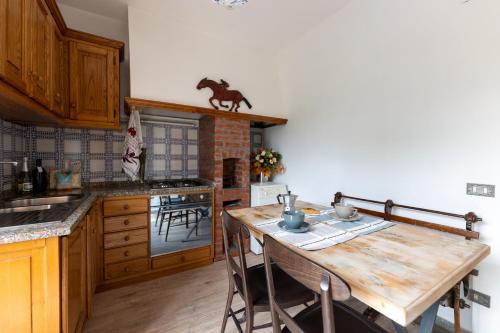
[24, 184]
[39, 177]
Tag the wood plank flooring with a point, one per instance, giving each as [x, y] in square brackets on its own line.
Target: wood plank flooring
[187, 302]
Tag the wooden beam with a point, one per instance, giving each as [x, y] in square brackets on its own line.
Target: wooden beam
[264, 121]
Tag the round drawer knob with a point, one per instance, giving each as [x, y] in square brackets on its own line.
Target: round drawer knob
[127, 238]
[126, 222]
[126, 253]
[126, 207]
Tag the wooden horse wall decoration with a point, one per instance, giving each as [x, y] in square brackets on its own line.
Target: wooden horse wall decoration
[222, 94]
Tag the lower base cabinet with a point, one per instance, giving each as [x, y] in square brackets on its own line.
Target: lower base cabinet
[29, 286]
[74, 279]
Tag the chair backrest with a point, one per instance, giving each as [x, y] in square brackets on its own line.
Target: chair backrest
[328, 285]
[233, 233]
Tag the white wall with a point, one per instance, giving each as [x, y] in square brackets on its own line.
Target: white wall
[168, 59]
[106, 27]
[401, 100]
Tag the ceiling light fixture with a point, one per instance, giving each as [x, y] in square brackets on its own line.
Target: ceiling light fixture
[230, 3]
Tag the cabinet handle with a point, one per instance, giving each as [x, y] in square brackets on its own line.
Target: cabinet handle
[126, 222]
[126, 253]
[126, 269]
[183, 259]
[126, 207]
[126, 238]
[73, 105]
[58, 95]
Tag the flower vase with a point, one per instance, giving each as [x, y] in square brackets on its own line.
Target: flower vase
[263, 178]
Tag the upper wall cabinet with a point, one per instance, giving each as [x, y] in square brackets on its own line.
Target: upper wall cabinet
[13, 50]
[53, 75]
[59, 71]
[39, 24]
[94, 84]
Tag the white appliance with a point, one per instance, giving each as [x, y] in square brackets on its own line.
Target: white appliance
[264, 194]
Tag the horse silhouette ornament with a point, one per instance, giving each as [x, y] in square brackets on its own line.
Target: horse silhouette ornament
[222, 94]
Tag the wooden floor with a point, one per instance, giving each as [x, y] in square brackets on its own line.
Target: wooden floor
[191, 301]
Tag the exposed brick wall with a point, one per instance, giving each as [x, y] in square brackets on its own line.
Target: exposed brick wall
[219, 139]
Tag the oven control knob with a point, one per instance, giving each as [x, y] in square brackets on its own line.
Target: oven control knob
[183, 198]
[202, 196]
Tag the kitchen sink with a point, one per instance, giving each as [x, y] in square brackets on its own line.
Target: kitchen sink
[16, 205]
[22, 209]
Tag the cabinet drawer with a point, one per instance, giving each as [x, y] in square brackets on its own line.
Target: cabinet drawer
[121, 223]
[178, 259]
[125, 253]
[125, 238]
[125, 206]
[123, 269]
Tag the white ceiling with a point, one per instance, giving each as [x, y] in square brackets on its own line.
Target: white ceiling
[261, 23]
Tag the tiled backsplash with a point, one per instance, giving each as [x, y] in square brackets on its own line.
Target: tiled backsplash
[172, 150]
[12, 148]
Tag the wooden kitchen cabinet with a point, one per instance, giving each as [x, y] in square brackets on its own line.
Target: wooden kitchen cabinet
[29, 288]
[94, 84]
[59, 72]
[39, 23]
[74, 279]
[13, 43]
[94, 253]
[36, 63]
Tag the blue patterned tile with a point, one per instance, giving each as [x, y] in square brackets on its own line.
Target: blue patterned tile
[172, 150]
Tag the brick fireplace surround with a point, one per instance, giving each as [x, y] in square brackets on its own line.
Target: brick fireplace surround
[219, 139]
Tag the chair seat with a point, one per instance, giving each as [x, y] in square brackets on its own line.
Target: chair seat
[346, 319]
[288, 291]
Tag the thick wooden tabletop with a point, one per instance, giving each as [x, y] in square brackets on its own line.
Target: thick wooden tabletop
[399, 271]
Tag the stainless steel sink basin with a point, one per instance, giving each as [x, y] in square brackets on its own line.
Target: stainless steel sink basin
[24, 209]
[39, 201]
[36, 203]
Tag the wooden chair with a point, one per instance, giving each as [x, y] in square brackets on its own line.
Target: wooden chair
[329, 315]
[250, 282]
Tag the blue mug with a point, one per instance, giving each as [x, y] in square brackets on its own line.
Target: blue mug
[293, 219]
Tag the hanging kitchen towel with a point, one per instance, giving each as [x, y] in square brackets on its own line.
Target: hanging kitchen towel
[132, 147]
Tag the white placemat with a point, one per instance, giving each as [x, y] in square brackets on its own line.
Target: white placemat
[324, 231]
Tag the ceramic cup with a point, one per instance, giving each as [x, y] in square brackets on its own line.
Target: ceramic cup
[345, 211]
[293, 219]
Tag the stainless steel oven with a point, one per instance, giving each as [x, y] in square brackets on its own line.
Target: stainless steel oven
[181, 219]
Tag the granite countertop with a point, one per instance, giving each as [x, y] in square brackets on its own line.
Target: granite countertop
[61, 220]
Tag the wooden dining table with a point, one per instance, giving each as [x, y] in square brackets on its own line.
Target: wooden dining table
[402, 271]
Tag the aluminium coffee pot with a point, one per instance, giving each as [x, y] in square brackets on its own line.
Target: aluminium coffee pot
[288, 201]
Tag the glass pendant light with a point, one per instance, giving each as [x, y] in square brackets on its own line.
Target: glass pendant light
[230, 3]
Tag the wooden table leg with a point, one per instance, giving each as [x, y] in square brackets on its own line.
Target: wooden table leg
[426, 323]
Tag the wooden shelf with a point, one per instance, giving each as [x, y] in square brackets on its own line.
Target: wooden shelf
[196, 112]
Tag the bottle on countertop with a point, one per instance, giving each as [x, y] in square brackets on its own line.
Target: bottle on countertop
[24, 184]
[39, 176]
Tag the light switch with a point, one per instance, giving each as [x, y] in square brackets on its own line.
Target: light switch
[482, 190]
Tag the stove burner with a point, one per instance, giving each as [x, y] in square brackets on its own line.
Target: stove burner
[176, 183]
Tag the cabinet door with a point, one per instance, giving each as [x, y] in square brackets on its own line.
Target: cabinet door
[74, 281]
[94, 255]
[13, 50]
[93, 83]
[39, 73]
[59, 71]
[29, 288]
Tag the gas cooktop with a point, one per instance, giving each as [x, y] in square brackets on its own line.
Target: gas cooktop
[176, 183]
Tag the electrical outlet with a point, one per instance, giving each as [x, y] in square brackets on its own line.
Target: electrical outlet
[482, 190]
[479, 298]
